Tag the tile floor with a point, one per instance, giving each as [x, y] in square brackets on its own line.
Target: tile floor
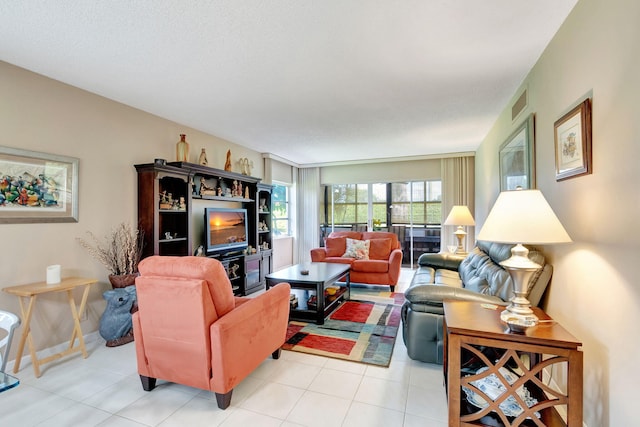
[296, 390]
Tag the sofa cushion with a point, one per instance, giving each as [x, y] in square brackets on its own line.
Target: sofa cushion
[339, 260]
[358, 249]
[335, 246]
[379, 249]
[370, 266]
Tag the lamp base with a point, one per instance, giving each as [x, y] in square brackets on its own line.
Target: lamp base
[518, 322]
[460, 235]
[518, 315]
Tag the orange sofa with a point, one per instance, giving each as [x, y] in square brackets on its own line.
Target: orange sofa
[191, 330]
[381, 266]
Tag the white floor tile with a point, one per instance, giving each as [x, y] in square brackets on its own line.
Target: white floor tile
[155, 406]
[336, 383]
[383, 393]
[294, 374]
[274, 400]
[364, 415]
[198, 412]
[77, 415]
[244, 418]
[319, 410]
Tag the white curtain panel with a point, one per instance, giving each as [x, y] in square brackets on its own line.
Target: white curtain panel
[458, 188]
[307, 207]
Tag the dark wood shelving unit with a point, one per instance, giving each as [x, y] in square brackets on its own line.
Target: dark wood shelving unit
[166, 196]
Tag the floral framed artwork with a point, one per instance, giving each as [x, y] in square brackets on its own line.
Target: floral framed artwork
[573, 142]
[517, 158]
[37, 187]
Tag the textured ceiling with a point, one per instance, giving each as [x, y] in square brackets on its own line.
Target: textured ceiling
[311, 81]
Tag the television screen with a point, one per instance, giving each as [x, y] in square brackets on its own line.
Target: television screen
[225, 229]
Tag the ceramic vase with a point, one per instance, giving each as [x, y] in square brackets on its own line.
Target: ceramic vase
[182, 149]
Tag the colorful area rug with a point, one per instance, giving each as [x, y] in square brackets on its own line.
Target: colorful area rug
[359, 330]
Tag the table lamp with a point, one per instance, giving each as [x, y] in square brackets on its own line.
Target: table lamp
[522, 216]
[460, 216]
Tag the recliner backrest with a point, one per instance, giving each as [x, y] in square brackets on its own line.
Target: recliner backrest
[481, 272]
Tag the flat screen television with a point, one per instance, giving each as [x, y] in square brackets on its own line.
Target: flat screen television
[225, 229]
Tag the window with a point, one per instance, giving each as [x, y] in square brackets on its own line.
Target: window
[418, 202]
[281, 223]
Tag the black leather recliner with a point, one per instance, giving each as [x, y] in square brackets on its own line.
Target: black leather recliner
[476, 277]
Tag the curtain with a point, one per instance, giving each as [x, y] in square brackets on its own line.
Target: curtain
[458, 188]
[307, 208]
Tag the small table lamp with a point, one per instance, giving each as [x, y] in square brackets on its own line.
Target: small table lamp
[460, 216]
[522, 216]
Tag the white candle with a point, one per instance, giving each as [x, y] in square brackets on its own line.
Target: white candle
[53, 274]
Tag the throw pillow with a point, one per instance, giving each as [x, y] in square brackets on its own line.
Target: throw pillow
[335, 246]
[380, 249]
[358, 249]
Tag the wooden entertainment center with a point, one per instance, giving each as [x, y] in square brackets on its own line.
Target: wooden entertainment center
[168, 195]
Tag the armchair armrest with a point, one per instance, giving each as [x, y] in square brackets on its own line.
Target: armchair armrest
[318, 254]
[244, 337]
[436, 294]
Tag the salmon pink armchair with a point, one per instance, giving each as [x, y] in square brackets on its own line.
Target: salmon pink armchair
[190, 328]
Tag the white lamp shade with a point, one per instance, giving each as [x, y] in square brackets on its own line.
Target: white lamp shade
[459, 215]
[523, 216]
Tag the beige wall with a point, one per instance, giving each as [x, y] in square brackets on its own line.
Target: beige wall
[595, 290]
[43, 115]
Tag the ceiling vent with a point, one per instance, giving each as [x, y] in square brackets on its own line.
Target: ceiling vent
[519, 105]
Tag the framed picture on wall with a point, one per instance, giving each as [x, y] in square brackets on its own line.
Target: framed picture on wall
[37, 187]
[573, 142]
[517, 158]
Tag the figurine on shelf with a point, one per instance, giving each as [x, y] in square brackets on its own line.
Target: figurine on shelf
[246, 193]
[165, 203]
[263, 226]
[227, 164]
[245, 165]
[205, 190]
[263, 205]
[203, 158]
[219, 191]
[182, 205]
[234, 188]
[233, 271]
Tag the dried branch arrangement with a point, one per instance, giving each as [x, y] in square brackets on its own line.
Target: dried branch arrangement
[119, 251]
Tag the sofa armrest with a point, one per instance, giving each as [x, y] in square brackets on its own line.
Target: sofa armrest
[444, 260]
[436, 294]
[395, 265]
[318, 254]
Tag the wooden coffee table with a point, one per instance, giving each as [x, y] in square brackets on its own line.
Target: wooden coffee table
[320, 275]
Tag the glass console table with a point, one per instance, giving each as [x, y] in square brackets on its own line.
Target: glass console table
[7, 382]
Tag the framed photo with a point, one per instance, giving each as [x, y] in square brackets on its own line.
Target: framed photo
[517, 158]
[37, 187]
[573, 142]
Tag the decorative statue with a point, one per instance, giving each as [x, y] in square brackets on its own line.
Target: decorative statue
[116, 325]
[205, 190]
[203, 158]
[245, 165]
[227, 164]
